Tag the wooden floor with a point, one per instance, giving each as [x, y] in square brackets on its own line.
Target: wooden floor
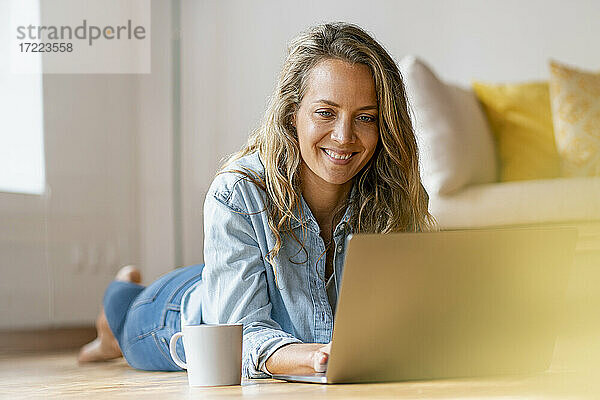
[58, 376]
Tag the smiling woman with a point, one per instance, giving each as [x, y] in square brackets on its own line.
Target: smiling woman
[336, 123]
[336, 154]
[337, 130]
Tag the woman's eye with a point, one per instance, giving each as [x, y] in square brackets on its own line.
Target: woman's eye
[366, 118]
[324, 113]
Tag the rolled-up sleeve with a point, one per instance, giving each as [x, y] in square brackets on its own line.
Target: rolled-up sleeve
[235, 283]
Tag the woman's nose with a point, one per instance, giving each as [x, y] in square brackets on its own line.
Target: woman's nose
[343, 132]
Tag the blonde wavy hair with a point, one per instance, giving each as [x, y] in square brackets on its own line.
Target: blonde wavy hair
[389, 195]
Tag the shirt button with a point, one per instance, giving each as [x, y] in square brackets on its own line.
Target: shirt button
[340, 248]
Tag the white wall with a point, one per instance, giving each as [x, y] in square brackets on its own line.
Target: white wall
[59, 250]
[155, 149]
[109, 172]
[232, 52]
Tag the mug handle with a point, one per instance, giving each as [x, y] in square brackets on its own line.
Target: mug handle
[174, 355]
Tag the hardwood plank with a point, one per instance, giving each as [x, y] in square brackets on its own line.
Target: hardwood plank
[57, 375]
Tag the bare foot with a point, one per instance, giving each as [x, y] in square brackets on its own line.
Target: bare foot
[106, 347]
[129, 273]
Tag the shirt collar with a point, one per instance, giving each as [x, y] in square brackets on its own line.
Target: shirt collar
[307, 219]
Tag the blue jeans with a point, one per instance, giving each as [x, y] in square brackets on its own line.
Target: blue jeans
[143, 319]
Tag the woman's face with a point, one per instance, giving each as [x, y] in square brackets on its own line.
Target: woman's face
[337, 121]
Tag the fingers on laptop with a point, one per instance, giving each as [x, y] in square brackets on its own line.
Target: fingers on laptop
[320, 361]
[321, 358]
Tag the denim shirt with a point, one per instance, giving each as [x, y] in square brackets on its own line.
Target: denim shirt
[239, 285]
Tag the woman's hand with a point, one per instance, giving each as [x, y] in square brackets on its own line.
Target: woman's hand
[321, 358]
[299, 359]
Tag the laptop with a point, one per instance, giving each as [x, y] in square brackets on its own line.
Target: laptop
[416, 306]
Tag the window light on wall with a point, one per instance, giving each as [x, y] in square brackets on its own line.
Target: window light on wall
[21, 110]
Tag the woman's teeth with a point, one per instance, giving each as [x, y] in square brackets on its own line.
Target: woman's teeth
[338, 156]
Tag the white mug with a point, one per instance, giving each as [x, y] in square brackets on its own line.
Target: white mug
[213, 354]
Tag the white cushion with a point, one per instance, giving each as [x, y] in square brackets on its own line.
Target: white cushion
[520, 203]
[456, 146]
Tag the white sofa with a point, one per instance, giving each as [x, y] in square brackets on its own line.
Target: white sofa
[545, 201]
[459, 170]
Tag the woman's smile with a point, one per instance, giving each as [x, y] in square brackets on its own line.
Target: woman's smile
[338, 157]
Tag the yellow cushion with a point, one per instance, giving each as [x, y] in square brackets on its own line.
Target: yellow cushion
[576, 111]
[521, 120]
